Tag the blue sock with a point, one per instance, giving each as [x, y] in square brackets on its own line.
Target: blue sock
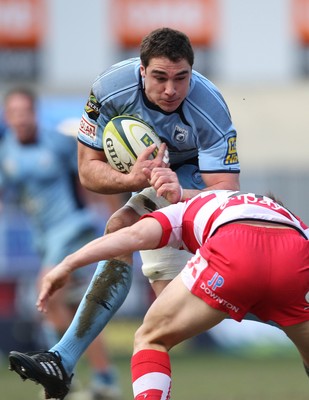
[108, 377]
[106, 292]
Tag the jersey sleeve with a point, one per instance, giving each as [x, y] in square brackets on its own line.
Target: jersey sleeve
[91, 126]
[113, 93]
[216, 136]
[170, 218]
[222, 156]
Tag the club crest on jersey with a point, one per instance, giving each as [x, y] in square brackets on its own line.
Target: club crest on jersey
[180, 134]
[231, 156]
[197, 177]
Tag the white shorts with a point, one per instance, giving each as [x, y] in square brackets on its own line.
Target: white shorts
[159, 264]
[146, 201]
[163, 264]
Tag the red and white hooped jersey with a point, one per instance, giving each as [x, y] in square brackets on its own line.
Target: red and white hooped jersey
[189, 224]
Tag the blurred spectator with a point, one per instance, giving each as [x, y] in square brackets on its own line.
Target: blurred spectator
[2, 129]
[40, 166]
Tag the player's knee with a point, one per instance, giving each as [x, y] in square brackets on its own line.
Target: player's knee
[123, 217]
[145, 338]
[139, 338]
[153, 333]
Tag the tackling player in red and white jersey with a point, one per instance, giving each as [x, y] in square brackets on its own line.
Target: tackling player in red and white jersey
[251, 255]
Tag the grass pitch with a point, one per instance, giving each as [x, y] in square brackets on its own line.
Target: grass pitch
[258, 374]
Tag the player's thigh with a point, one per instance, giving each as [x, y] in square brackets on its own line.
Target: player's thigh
[139, 204]
[122, 218]
[175, 316]
[299, 334]
[158, 286]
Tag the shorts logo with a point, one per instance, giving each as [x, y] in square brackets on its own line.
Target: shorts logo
[217, 298]
[87, 128]
[231, 155]
[216, 281]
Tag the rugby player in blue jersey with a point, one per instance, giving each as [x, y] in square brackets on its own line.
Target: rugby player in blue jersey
[41, 167]
[191, 117]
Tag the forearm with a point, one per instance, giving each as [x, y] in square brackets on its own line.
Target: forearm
[225, 181]
[99, 177]
[189, 193]
[116, 244]
[105, 247]
[166, 183]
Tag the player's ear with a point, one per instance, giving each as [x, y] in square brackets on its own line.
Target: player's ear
[142, 70]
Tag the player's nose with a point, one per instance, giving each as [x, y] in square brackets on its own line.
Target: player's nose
[170, 88]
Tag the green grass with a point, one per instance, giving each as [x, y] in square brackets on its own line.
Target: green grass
[255, 374]
[200, 376]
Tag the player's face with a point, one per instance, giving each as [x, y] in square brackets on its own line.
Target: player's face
[166, 82]
[20, 117]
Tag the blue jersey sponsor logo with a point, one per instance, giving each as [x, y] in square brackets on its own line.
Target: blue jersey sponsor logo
[231, 156]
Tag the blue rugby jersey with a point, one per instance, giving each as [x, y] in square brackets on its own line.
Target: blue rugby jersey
[42, 175]
[199, 133]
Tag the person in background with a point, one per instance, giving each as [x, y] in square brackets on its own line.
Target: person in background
[41, 167]
[250, 254]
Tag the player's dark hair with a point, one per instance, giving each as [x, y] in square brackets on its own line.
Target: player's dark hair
[168, 43]
[24, 91]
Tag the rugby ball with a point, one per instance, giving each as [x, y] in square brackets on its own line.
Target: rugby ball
[124, 138]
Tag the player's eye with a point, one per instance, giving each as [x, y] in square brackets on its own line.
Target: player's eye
[160, 78]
